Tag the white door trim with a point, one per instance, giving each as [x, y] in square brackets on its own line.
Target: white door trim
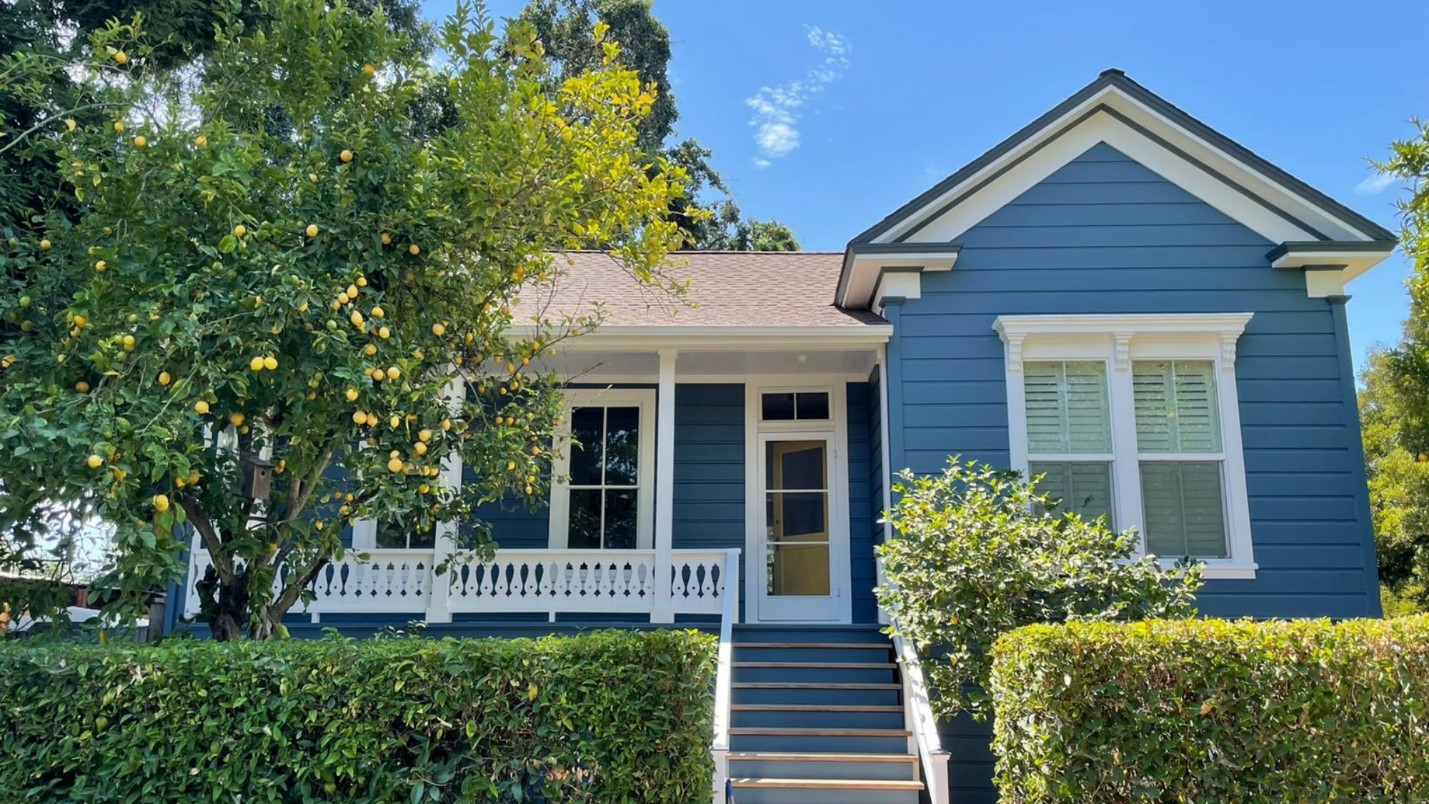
[836, 430]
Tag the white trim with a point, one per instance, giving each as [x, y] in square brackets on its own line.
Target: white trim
[720, 338]
[905, 284]
[1103, 127]
[642, 398]
[1118, 340]
[596, 378]
[756, 432]
[664, 482]
[885, 448]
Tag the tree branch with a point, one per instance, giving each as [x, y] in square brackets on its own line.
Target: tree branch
[222, 562]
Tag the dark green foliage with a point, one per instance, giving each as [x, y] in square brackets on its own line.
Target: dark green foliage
[604, 717]
[1209, 710]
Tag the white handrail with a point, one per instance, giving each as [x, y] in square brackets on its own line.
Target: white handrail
[729, 614]
[918, 717]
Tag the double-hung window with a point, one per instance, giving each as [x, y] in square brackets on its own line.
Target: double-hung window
[603, 494]
[1135, 418]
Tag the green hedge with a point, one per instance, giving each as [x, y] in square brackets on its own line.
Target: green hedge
[1208, 710]
[609, 716]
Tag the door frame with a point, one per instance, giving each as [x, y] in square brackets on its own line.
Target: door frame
[756, 432]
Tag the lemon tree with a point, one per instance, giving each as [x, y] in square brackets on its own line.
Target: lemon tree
[298, 259]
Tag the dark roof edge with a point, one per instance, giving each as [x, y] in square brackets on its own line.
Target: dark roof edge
[1117, 78]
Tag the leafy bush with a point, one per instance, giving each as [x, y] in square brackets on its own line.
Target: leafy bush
[1209, 710]
[608, 716]
[980, 553]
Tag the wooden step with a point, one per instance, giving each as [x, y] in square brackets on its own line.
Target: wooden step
[812, 708]
[775, 756]
[812, 685]
[817, 732]
[823, 645]
[827, 784]
[825, 665]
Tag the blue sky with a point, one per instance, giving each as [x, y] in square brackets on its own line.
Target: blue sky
[828, 115]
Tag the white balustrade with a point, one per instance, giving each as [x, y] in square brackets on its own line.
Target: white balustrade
[535, 581]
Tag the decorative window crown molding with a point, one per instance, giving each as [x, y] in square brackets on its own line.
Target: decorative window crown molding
[1121, 332]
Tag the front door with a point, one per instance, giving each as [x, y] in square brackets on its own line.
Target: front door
[804, 548]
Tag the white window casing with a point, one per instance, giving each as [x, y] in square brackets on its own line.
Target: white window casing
[1128, 345]
[643, 399]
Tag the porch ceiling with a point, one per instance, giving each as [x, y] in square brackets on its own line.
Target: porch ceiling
[629, 366]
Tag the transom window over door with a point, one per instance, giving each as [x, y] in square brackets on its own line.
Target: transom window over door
[601, 499]
[1136, 418]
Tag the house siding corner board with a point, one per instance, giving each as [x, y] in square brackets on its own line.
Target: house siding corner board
[1107, 235]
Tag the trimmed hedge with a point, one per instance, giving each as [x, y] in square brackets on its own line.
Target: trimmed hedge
[1209, 710]
[607, 716]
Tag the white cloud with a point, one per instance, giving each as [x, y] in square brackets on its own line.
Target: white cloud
[776, 110]
[1376, 183]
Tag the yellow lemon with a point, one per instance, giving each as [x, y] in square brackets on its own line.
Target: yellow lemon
[201, 141]
[165, 378]
[425, 435]
[94, 462]
[270, 362]
[240, 230]
[395, 421]
[82, 387]
[352, 291]
[120, 57]
[312, 230]
[386, 239]
[128, 343]
[236, 420]
[351, 394]
[140, 141]
[358, 417]
[343, 298]
[101, 266]
[79, 321]
[378, 312]
[355, 318]
[423, 489]
[161, 503]
[256, 364]
[419, 448]
[119, 126]
[368, 69]
[510, 465]
[379, 375]
[384, 333]
[45, 245]
[438, 330]
[535, 450]
[345, 156]
[369, 350]
[446, 424]
[394, 465]
[394, 373]
[414, 249]
[193, 478]
[317, 526]
[200, 407]
[70, 124]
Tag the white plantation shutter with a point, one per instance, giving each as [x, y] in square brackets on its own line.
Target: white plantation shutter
[1067, 408]
[1184, 512]
[1176, 406]
[1080, 488]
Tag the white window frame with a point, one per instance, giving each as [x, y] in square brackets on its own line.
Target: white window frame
[560, 511]
[1119, 340]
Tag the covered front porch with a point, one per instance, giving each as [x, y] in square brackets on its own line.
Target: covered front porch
[755, 454]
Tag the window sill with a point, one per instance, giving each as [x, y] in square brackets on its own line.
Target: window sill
[1213, 570]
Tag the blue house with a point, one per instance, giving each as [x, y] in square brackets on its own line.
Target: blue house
[1116, 296]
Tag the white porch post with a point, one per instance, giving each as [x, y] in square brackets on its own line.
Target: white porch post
[438, 605]
[663, 610]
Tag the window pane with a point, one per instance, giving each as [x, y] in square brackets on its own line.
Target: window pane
[586, 427]
[423, 539]
[1080, 488]
[1067, 407]
[584, 533]
[390, 535]
[620, 519]
[796, 465]
[777, 407]
[797, 517]
[622, 446]
[797, 569]
[1176, 406]
[1184, 512]
[812, 405]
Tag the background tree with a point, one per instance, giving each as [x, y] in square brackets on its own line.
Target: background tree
[979, 552]
[294, 259]
[707, 213]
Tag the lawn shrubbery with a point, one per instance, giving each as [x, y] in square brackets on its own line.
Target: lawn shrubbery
[605, 717]
[1209, 710]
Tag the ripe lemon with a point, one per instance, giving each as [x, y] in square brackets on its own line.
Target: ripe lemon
[384, 333]
[379, 375]
[270, 362]
[236, 419]
[446, 424]
[362, 281]
[394, 373]
[343, 298]
[82, 387]
[423, 489]
[201, 407]
[240, 230]
[378, 312]
[256, 364]
[395, 421]
[319, 526]
[425, 435]
[535, 451]
[419, 448]
[70, 125]
[394, 465]
[201, 141]
[161, 502]
[94, 462]
[386, 239]
[101, 266]
[193, 478]
[368, 69]
[79, 321]
[358, 417]
[140, 141]
[119, 126]
[312, 230]
[120, 57]
[438, 330]
[345, 156]
[128, 343]
[351, 394]
[165, 378]
[369, 350]
[45, 245]
[355, 318]
[414, 249]
[352, 291]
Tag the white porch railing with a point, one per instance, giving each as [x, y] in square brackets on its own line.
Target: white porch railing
[528, 581]
[918, 719]
[724, 676]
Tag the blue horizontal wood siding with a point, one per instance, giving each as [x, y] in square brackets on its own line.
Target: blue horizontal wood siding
[709, 469]
[1104, 234]
[861, 407]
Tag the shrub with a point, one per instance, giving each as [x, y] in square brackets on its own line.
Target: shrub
[980, 553]
[609, 716]
[1210, 710]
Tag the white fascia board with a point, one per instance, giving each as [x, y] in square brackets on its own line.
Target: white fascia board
[720, 338]
[1036, 158]
[1014, 326]
[867, 273]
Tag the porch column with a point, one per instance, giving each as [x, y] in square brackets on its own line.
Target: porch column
[663, 610]
[438, 605]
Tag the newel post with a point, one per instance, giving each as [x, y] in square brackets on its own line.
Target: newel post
[663, 610]
[439, 586]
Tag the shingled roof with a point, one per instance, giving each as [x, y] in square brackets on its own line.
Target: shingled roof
[727, 288]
